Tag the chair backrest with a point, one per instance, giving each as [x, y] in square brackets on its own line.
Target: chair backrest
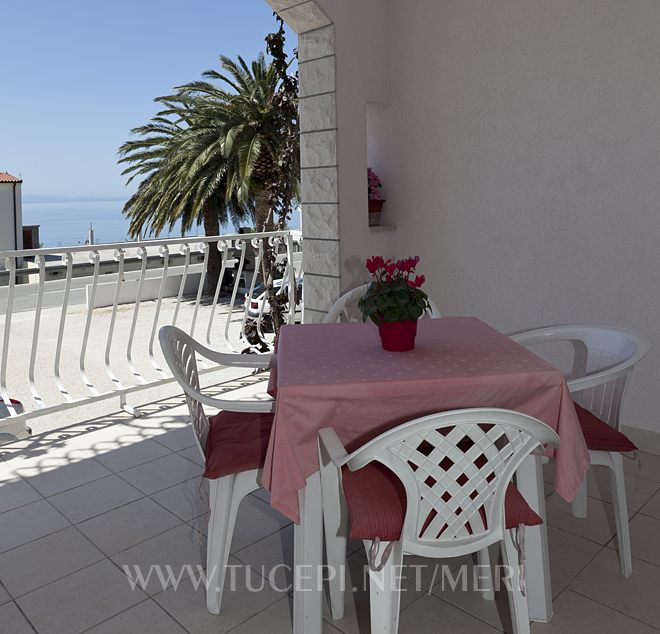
[345, 308]
[455, 467]
[179, 351]
[604, 358]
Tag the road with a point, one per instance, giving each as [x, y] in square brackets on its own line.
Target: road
[25, 295]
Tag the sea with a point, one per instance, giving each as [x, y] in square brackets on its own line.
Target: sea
[63, 224]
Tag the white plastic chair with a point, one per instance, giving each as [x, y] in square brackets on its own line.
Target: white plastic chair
[604, 358]
[455, 498]
[225, 495]
[340, 309]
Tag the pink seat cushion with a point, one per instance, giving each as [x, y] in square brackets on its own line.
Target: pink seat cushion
[599, 436]
[237, 442]
[376, 502]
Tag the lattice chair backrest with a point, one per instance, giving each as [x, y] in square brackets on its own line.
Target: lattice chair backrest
[455, 468]
[346, 308]
[179, 352]
[603, 363]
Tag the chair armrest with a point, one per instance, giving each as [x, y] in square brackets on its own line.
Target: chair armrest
[236, 360]
[330, 443]
[265, 406]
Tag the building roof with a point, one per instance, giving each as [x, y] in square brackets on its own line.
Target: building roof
[5, 177]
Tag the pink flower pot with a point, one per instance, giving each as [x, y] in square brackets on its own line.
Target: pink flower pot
[398, 336]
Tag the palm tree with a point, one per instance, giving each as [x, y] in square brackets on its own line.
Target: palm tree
[219, 152]
[258, 138]
[173, 191]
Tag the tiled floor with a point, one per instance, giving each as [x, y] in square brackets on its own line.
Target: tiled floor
[78, 504]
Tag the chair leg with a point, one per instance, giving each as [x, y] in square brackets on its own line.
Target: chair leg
[384, 590]
[335, 524]
[336, 531]
[618, 484]
[517, 600]
[225, 497]
[578, 506]
[485, 575]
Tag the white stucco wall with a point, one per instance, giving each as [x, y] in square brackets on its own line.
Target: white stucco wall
[7, 217]
[520, 157]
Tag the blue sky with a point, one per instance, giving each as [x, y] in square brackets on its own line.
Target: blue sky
[77, 75]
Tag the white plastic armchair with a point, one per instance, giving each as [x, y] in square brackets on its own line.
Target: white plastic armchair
[339, 311]
[455, 468]
[226, 492]
[604, 358]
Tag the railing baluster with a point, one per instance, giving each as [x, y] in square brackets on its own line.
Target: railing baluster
[142, 254]
[165, 253]
[41, 263]
[259, 246]
[185, 250]
[119, 257]
[66, 395]
[10, 265]
[204, 248]
[237, 278]
[218, 286]
[95, 258]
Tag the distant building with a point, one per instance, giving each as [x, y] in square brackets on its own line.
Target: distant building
[11, 213]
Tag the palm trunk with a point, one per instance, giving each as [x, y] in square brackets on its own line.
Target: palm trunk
[214, 265]
[263, 219]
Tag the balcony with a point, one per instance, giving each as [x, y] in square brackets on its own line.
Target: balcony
[82, 505]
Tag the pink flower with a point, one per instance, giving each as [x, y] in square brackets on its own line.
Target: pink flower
[419, 280]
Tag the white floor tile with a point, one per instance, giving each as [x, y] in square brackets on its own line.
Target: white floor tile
[575, 614]
[177, 439]
[188, 604]
[569, 554]
[430, 615]
[599, 525]
[92, 499]
[161, 473]
[636, 596]
[182, 548]
[68, 476]
[274, 550]
[193, 454]
[128, 525]
[36, 564]
[12, 621]
[644, 538]
[276, 619]
[356, 607]
[15, 492]
[29, 522]
[652, 507]
[638, 489]
[145, 618]
[4, 596]
[81, 600]
[132, 455]
[186, 500]
[647, 465]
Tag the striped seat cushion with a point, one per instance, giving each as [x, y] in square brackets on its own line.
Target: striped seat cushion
[237, 442]
[376, 502]
[599, 436]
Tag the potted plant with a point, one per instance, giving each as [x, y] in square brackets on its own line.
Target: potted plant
[376, 199]
[394, 301]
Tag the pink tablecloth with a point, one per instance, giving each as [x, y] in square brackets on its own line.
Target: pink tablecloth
[337, 375]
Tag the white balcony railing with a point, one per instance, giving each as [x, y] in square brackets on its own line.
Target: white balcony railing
[81, 323]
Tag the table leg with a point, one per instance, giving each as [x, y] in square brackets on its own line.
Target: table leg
[308, 560]
[529, 480]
